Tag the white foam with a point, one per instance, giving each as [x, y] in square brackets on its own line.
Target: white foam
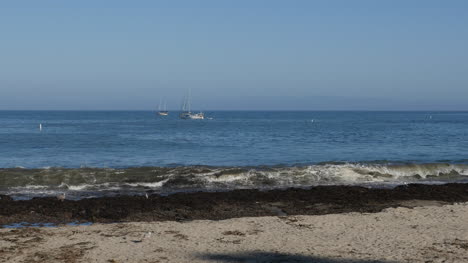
[80, 187]
[342, 173]
[31, 187]
[150, 185]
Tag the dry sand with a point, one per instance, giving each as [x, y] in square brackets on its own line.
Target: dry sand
[431, 233]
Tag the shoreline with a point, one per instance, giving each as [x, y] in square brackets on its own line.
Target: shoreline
[320, 200]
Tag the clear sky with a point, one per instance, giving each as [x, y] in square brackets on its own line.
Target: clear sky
[238, 54]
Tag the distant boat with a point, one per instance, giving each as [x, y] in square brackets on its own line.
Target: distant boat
[186, 113]
[162, 111]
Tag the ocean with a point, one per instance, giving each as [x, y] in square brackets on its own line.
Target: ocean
[95, 153]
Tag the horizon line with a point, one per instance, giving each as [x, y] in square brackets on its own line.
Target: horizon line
[240, 110]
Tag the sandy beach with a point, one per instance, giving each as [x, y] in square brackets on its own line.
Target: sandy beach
[429, 233]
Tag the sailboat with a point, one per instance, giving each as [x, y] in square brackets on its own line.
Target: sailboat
[162, 111]
[186, 113]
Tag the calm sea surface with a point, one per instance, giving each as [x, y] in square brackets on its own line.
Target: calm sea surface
[139, 138]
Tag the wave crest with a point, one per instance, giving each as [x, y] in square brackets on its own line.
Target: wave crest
[167, 180]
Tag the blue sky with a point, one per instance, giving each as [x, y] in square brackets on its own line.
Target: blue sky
[251, 55]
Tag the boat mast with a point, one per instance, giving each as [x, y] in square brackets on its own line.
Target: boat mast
[190, 100]
[184, 104]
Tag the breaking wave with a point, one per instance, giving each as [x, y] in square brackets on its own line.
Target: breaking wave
[90, 182]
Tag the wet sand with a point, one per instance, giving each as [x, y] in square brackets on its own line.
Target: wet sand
[431, 233]
[225, 205]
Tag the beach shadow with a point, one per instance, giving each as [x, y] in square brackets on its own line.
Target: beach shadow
[265, 257]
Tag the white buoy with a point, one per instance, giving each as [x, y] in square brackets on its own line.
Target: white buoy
[312, 120]
[40, 126]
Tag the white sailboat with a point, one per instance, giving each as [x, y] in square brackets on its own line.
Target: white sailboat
[186, 113]
[162, 111]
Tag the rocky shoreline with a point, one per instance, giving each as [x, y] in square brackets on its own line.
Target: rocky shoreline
[225, 205]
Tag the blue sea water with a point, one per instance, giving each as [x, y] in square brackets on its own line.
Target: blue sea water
[114, 152]
[241, 138]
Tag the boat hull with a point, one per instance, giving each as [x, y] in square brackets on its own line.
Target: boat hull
[192, 116]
